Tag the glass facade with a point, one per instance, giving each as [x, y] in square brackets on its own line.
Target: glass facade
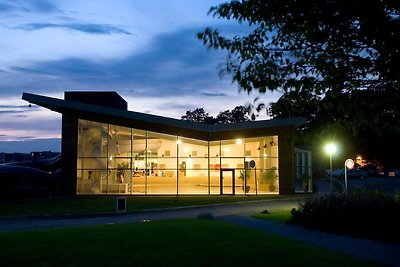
[120, 160]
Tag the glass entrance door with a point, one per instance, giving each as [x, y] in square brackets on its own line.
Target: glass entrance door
[227, 181]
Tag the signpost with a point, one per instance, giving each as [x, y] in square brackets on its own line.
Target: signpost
[348, 164]
[252, 165]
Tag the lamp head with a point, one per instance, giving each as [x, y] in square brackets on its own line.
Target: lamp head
[330, 148]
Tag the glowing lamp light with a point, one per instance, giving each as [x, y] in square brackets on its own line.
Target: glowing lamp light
[239, 141]
[330, 149]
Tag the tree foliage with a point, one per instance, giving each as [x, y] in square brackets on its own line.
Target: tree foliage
[336, 62]
[311, 45]
[238, 114]
[364, 121]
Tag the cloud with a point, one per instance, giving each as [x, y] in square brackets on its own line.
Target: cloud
[11, 7]
[213, 94]
[10, 111]
[90, 28]
[13, 109]
[28, 71]
[40, 6]
[171, 64]
[173, 105]
[13, 106]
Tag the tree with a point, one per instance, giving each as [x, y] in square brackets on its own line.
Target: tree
[238, 114]
[318, 46]
[336, 62]
[198, 115]
[365, 121]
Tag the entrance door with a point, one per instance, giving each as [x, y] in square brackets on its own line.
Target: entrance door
[227, 181]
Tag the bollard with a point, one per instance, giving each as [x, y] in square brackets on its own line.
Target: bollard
[120, 204]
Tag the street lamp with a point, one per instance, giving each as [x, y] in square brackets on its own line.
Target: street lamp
[330, 149]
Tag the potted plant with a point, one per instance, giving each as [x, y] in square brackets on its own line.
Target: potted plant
[121, 168]
[305, 179]
[244, 176]
[270, 178]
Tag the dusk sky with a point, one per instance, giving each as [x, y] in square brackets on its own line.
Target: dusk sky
[144, 50]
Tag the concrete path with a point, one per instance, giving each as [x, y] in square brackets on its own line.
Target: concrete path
[375, 251]
[8, 224]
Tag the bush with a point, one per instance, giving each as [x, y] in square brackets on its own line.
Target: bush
[372, 214]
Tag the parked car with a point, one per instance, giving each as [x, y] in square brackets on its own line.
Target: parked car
[358, 173]
[392, 173]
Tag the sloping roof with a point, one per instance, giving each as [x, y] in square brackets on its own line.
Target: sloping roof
[161, 124]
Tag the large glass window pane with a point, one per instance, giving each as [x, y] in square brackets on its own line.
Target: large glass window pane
[215, 182]
[267, 181]
[92, 163]
[139, 160]
[119, 141]
[232, 163]
[215, 149]
[119, 160]
[92, 157]
[92, 139]
[193, 166]
[161, 164]
[161, 145]
[91, 181]
[232, 148]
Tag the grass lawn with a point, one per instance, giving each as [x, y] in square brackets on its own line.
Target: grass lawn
[94, 204]
[277, 216]
[188, 242]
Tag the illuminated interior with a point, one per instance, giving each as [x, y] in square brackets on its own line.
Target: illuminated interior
[118, 160]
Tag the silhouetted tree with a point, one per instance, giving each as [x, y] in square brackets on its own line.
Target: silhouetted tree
[238, 114]
[198, 115]
[336, 62]
[364, 121]
[311, 45]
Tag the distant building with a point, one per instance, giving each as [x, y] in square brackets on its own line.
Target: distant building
[33, 156]
[107, 149]
[14, 157]
[38, 155]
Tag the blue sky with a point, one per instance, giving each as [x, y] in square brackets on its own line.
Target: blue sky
[144, 50]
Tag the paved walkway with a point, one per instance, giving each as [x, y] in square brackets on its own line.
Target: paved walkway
[8, 224]
[375, 251]
[380, 252]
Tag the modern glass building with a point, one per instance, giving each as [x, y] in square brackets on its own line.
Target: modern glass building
[107, 149]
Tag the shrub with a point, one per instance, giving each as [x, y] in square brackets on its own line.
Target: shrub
[372, 214]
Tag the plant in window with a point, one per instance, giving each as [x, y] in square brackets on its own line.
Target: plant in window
[121, 168]
[305, 178]
[244, 177]
[270, 177]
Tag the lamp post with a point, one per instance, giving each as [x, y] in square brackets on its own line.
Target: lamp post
[330, 149]
[348, 164]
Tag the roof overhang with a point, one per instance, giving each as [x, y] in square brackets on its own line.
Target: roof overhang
[143, 121]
